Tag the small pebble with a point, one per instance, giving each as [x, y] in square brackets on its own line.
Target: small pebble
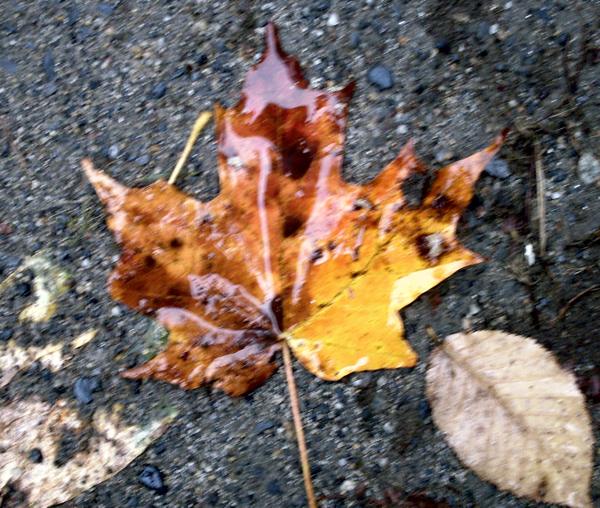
[563, 39]
[142, 160]
[389, 427]
[529, 254]
[105, 8]
[380, 77]
[49, 89]
[36, 456]
[48, 65]
[260, 427]
[8, 65]
[333, 19]
[73, 14]
[348, 487]
[113, 151]
[382, 462]
[274, 488]
[152, 479]
[402, 129]
[588, 168]
[5, 334]
[158, 91]
[362, 380]
[498, 168]
[23, 289]
[355, 39]
[424, 409]
[201, 59]
[444, 155]
[84, 387]
[443, 45]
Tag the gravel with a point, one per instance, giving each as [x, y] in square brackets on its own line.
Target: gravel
[501, 70]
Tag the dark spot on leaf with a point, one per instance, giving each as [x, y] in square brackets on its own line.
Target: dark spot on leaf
[542, 488]
[176, 243]
[291, 225]
[431, 247]
[36, 456]
[149, 261]
[442, 203]
[316, 255]
[296, 155]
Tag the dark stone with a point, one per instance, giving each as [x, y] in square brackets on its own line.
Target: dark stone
[380, 77]
[264, 425]
[321, 6]
[152, 479]
[83, 34]
[443, 45]
[73, 14]
[483, 31]
[84, 387]
[158, 91]
[8, 65]
[201, 59]
[142, 160]
[23, 289]
[212, 499]
[132, 502]
[36, 456]
[179, 72]
[6, 334]
[563, 39]
[94, 84]
[105, 8]
[48, 65]
[274, 488]
[355, 39]
[424, 410]
[49, 89]
[498, 168]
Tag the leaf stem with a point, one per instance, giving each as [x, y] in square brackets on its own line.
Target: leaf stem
[289, 375]
[200, 123]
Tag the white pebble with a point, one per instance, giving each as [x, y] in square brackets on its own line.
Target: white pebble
[389, 427]
[588, 168]
[115, 311]
[402, 129]
[348, 487]
[333, 20]
[529, 254]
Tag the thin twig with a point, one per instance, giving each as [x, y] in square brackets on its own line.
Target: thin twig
[563, 312]
[289, 375]
[201, 122]
[540, 197]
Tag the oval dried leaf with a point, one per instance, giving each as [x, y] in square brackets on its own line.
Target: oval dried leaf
[513, 415]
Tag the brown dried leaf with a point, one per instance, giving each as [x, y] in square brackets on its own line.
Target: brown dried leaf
[513, 415]
[288, 250]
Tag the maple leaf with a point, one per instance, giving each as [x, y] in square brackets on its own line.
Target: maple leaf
[287, 250]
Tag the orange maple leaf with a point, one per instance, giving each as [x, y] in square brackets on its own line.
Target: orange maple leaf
[287, 250]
